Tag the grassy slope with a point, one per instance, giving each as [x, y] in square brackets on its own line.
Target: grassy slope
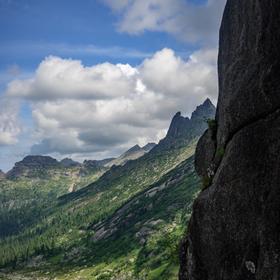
[63, 238]
[159, 216]
[23, 200]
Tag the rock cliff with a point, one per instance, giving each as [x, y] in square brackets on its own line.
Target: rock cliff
[234, 232]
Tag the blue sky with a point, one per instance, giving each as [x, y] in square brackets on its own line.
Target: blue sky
[120, 48]
[32, 29]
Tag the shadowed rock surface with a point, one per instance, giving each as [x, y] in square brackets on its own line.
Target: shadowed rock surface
[234, 232]
[249, 64]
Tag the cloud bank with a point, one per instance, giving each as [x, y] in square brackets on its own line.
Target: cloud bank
[180, 18]
[110, 107]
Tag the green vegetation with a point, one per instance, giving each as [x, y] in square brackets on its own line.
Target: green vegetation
[58, 236]
[220, 152]
[23, 201]
[144, 246]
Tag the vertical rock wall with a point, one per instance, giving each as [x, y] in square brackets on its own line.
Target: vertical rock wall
[234, 232]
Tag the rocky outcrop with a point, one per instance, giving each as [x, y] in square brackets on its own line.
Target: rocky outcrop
[182, 130]
[234, 232]
[186, 127]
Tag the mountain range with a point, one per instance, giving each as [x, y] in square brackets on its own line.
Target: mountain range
[114, 219]
[38, 166]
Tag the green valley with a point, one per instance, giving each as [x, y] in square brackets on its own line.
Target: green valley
[118, 222]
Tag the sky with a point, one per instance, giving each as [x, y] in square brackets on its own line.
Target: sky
[89, 79]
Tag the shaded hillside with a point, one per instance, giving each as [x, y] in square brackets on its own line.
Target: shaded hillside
[143, 241]
[34, 184]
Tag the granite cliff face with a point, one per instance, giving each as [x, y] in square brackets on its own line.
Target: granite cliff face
[234, 232]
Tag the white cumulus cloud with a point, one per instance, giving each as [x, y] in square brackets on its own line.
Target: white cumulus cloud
[108, 108]
[65, 78]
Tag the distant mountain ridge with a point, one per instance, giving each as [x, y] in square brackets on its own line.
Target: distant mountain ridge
[39, 166]
[181, 131]
[32, 166]
[131, 154]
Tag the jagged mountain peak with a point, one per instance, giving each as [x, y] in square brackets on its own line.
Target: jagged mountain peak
[207, 102]
[184, 128]
[133, 149]
[178, 125]
[205, 110]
